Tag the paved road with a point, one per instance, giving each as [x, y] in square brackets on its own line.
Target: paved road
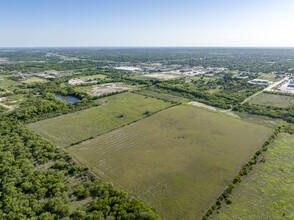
[269, 88]
[228, 111]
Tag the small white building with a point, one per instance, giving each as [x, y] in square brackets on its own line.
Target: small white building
[291, 84]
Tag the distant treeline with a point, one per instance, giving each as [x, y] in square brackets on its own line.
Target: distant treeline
[256, 60]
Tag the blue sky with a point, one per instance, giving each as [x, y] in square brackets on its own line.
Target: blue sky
[231, 23]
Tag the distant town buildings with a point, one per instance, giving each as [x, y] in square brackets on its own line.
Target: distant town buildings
[291, 84]
[128, 68]
[260, 81]
[242, 77]
[208, 74]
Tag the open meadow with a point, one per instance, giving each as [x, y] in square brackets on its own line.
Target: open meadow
[177, 161]
[114, 112]
[8, 84]
[273, 100]
[267, 193]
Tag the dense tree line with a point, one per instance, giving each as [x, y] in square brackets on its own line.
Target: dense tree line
[286, 114]
[47, 65]
[2, 109]
[45, 106]
[232, 92]
[279, 93]
[39, 181]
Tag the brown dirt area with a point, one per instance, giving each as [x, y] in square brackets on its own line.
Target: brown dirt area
[99, 90]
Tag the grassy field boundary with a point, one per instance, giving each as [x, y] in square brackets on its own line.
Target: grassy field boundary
[94, 136]
[157, 97]
[243, 172]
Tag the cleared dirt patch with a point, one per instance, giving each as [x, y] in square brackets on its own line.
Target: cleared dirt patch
[199, 104]
[9, 107]
[86, 79]
[99, 90]
[81, 81]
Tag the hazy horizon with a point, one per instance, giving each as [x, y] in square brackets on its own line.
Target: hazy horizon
[147, 47]
[130, 23]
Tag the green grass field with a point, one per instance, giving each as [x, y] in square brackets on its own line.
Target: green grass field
[273, 100]
[8, 84]
[114, 112]
[34, 80]
[177, 161]
[164, 96]
[270, 77]
[268, 191]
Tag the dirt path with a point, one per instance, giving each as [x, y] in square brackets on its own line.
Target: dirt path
[199, 104]
[227, 112]
[9, 107]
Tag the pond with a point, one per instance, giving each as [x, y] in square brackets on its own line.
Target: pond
[68, 99]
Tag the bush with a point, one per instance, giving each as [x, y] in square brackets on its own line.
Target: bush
[229, 201]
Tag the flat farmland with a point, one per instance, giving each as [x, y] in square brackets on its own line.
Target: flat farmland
[114, 112]
[177, 161]
[268, 191]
